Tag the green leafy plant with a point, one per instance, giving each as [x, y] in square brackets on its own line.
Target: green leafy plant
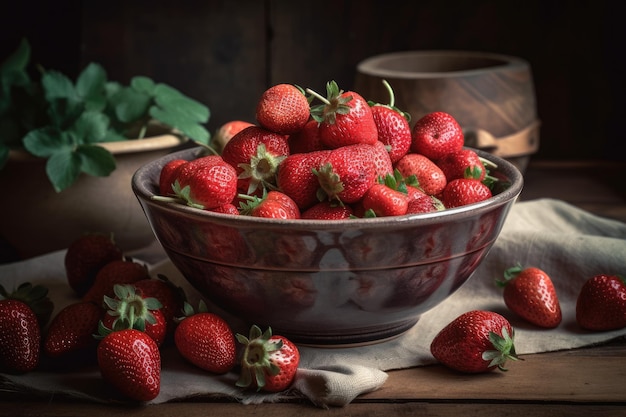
[63, 120]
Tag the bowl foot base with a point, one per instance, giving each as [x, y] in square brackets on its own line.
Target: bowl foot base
[343, 340]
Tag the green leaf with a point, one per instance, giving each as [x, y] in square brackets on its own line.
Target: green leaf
[179, 121]
[130, 105]
[63, 169]
[58, 86]
[143, 85]
[19, 59]
[91, 127]
[90, 85]
[170, 99]
[95, 160]
[46, 141]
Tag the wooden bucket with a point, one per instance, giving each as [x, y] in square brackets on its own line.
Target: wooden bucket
[492, 96]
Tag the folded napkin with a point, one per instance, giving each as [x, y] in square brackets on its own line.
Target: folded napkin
[568, 243]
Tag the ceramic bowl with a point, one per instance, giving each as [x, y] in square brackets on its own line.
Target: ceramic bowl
[327, 282]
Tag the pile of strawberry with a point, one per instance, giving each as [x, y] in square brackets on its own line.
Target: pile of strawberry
[343, 158]
[480, 341]
[121, 320]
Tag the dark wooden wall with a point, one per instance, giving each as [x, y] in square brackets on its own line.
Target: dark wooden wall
[225, 53]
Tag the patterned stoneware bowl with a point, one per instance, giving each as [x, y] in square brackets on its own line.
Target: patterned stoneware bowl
[327, 283]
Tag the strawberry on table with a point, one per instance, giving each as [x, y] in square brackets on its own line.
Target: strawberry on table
[206, 340]
[255, 153]
[345, 118]
[71, 331]
[530, 293]
[464, 191]
[283, 108]
[124, 271]
[601, 303]
[437, 134]
[22, 313]
[269, 362]
[129, 309]
[131, 362]
[171, 297]
[475, 342]
[86, 256]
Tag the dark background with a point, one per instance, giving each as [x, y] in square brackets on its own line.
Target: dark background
[225, 53]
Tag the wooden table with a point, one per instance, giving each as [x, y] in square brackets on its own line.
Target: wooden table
[580, 382]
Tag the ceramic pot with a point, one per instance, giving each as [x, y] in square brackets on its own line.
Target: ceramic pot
[492, 96]
[35, 219]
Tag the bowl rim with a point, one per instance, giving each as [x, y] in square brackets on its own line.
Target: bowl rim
[142, 181]
[375, 65]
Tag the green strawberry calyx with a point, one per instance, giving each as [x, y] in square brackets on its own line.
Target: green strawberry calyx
[130, 309]
[261, 170]
[510, 274]
[256, 359]
[504, 349]
[34, 296]
[330, 183]
[333, 104]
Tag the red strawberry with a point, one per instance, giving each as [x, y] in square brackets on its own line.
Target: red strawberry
[206, 340]
[206, 183]
[171, 297]
[20, 337]
[130, 361]
[227, 131]
[347, 174]
[71, 331]
[115, 272]
[476, 341]
[420, 202]
[228, 208]
[273, 205]
[436, 134]
[168, 176]
[35, 297]
[345, 118]
[601, 303]
[283, 109]
[383, 201]
[327, 210]
[430, 177]
[463, 191]
[530, 293]
[255, 153]
[131, 310]
[464, 163]
[269, 362]
[393, 127]
[297, 179]
[307, 139]
[382, 161]
[84, 258]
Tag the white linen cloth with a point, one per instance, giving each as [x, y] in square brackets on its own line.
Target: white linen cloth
[570, 244]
